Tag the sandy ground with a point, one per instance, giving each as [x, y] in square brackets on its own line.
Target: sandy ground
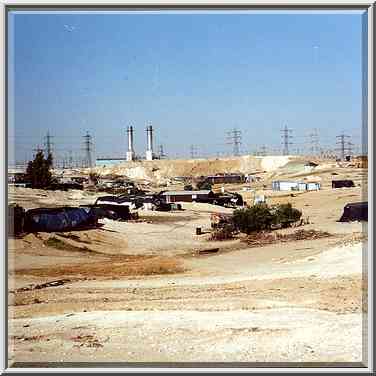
[142, 292]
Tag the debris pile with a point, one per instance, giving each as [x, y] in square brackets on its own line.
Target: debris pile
[259, 239]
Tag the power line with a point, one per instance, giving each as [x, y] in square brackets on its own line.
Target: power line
[286, 137]
[234, 138]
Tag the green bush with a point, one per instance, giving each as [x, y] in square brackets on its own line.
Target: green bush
[261, 217]
[255, 218]
[285, 214]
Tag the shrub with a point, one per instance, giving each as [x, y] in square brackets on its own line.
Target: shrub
[285, 214]
[223, 233]
[188, 187]
[255, 218]
[261, 217]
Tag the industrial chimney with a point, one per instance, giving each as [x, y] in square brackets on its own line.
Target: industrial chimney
[130, 152]
[149, 150]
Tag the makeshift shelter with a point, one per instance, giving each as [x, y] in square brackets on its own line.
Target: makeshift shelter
[355, 212]
[120, 205]
[342, 184]
[59, 219]
[225, 178]
[188, 196]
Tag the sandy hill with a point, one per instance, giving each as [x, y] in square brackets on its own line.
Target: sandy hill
[161, 170]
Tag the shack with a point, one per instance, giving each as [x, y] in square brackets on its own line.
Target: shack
[313, 186]
[188, 196]
[295, 186]
[122, 202]
[225, 178]
[342, 184]
[284, 185]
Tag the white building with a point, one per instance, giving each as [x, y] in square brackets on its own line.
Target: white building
[285, 185]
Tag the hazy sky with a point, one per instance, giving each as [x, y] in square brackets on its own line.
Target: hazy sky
[192, 76]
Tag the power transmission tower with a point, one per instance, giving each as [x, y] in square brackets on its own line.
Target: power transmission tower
[234, 138]
[263, 150]
[161, 152]
[88, 144]
[314, 142]
[286, 137]
[350, 148]
[70, 159]
[37, 150]
[193, 151]
[48, 145]
[343, 144]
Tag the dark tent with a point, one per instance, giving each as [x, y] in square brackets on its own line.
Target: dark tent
[342, 184]
[115, 206]
[59, 219]
[355, 212]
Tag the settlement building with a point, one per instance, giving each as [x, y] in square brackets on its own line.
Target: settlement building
[342, 183]
[284, 185]
[188, 196]
[225, 178]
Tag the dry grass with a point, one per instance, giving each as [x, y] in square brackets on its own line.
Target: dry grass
[114, 268]
[259, 239]
[64, 246]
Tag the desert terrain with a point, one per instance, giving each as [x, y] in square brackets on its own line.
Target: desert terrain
[146, 291]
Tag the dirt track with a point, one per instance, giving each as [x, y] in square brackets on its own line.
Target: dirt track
[140, 292]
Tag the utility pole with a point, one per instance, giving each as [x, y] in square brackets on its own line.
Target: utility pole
[286, 137]
[343, 144]
[234, 138]
[314, 141]
[88, 144]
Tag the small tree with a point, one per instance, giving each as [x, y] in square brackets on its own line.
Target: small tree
[38, 171]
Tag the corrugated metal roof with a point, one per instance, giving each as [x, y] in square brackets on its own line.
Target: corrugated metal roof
[178, 193]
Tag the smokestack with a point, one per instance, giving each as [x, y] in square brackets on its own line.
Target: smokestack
[149, 150]
[130, 152]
